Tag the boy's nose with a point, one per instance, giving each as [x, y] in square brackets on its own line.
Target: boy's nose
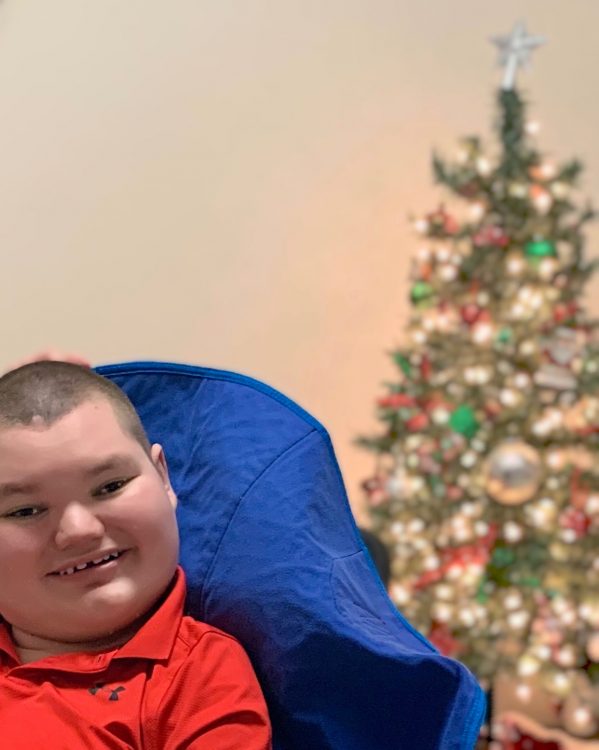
[77, 524]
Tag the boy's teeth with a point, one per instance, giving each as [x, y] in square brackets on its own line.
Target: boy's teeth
[106, 557]
[70, 571]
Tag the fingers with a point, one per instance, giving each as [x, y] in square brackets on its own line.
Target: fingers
[51, 355]
[511, 721]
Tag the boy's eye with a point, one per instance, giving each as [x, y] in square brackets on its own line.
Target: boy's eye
[111, 487]
[24, 513]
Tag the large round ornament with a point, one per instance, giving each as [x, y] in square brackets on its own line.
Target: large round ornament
[513, 472]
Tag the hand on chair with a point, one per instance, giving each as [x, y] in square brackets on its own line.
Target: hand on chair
[514, 720]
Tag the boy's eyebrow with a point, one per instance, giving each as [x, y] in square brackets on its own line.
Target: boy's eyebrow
[110, 463]
[11, 488]
[115, 461]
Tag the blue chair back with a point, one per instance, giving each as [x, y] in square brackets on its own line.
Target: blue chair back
[273, 556]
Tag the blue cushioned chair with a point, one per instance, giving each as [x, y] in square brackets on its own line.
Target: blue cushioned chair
[273, 556]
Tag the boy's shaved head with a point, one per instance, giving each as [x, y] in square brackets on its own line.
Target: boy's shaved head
[79, 481]
[41, 393]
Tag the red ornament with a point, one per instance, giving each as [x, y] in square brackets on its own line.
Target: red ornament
[455, 493]
[440, 636]
[579, 492]
[565, 311]
[441, 221]
[418, 422]
[470, 313]
[436, 401]
[426, 578]
[469, 189]
[575, 520]
[429, 465]
[376, 491]
[491, 236]
[396, 401]
[425, 368]
[493, 409]
[425, 272]
[469, 554]
[455, 449]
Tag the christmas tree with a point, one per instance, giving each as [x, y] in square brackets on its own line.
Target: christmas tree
[487, 484]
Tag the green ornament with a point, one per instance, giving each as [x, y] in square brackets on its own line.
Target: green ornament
[505, 336]
[404, 364]
[463, 421]
[437, 485]
[482, 595]
[421, 293]
[533, 582]
[539, 249]
[502, 557]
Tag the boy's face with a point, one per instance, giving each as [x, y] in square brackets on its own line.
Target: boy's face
[71, 493]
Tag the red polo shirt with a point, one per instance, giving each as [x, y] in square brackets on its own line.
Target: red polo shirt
[178, 684]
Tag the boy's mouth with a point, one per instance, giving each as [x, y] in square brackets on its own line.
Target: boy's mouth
[94, 563]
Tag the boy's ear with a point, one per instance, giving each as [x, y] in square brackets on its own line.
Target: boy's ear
[159, 461]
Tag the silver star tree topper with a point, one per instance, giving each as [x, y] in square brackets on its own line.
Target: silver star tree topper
[514, 51]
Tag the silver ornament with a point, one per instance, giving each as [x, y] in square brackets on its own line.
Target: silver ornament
[513, 472]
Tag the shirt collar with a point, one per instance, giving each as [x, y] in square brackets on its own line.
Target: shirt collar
[154, 640]
[156, 637]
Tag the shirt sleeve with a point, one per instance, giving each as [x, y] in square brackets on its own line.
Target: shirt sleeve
[214, 701]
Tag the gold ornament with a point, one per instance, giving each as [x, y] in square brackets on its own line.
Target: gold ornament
[559, 190]
[555, 377]
[567, 656]
[584, 414]
[577, 716]
[564, 344]
[513, 472]
[558, 683]
[528, 665]
[556, 582]
[517, 190]
[593, 647]
[589, 610]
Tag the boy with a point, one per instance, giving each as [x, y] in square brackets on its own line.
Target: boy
[95, 652]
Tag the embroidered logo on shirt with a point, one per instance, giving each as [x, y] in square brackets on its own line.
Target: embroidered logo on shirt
[114, 692]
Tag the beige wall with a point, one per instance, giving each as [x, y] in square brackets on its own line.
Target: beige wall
[227, 182]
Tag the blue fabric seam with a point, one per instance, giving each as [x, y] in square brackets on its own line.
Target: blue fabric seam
[242, 497]
[395, 612]
[472, 723]
[195, 371]
[368, 612]
[475, 719]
